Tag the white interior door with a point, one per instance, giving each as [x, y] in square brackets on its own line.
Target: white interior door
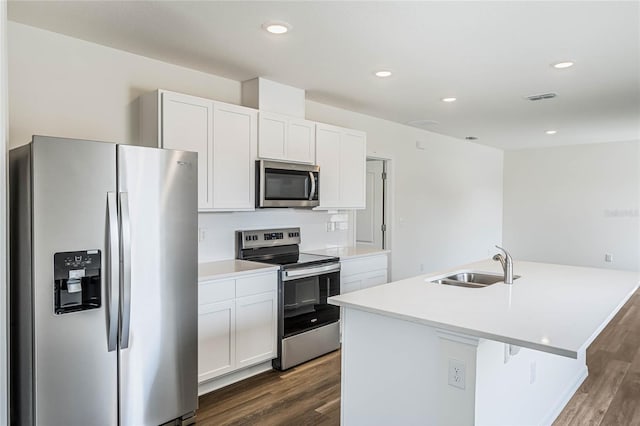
[370, 220]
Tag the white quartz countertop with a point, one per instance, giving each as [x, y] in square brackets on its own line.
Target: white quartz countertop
[553, 308]
[349, 252]
[230, 268]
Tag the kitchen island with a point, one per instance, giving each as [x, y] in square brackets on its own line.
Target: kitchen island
[417, 352]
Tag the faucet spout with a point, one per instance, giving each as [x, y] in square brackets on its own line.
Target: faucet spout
[507, 265]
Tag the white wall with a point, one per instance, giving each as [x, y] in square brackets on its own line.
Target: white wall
[4, 133]
[573, 204]
[446, 199]
[62, 86]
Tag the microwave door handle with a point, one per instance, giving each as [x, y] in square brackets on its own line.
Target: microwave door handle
[313, 186]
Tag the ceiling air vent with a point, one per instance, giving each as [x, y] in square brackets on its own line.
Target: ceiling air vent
[541, 96]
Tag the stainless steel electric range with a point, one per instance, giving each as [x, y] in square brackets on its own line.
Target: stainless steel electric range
[307, 325]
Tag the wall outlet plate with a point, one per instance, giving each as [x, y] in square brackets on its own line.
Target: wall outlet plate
[457, 373]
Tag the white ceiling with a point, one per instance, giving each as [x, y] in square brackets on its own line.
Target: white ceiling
[487, 54]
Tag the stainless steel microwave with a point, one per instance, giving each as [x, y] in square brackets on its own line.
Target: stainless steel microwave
[280, 184]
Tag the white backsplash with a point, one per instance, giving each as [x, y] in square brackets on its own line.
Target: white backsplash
[318, 229]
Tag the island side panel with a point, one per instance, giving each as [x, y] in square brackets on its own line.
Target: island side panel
[391, 374]
[528, 388]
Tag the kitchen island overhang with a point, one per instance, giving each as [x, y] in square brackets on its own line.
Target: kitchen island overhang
[406, 333]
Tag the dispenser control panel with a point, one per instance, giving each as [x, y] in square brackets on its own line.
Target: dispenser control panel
[77, 281]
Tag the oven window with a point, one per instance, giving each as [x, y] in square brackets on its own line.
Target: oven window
[286, 185]
[305, 303]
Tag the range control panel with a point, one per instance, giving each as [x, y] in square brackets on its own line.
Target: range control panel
[268, 237]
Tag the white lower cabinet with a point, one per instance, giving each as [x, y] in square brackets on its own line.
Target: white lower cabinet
[216, 339]
[237, 323]
[364, 272]
[255, 331]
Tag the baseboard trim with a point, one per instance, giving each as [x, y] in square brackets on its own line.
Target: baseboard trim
[566, 396]
[234, 377]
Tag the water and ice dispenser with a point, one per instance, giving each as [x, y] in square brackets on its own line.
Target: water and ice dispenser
[77, 281]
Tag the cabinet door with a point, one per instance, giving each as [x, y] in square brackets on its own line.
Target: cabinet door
[353, 164]
[256, 323]
[301, 141]
[234, 152]
[374, 278]
[328, 158]
[187, 126]
[216, 339]
[272, 140]
[349, 284]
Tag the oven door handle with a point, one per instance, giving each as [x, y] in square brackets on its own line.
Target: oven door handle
[309, 272]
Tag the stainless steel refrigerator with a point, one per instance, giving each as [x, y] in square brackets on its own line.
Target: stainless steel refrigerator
[103, 284]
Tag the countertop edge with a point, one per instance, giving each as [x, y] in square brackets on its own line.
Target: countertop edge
[258, 270]
[359, 256]
[335, 251]
[610, 317]
[566, 352]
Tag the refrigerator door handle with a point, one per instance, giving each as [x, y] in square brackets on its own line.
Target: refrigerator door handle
[113, 271]
[125, 269]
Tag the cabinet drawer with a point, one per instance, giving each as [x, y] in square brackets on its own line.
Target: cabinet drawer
[216, 291]
[365, 264]
[256, 284]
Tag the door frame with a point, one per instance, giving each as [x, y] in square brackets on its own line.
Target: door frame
[4, 146]
[388, 206]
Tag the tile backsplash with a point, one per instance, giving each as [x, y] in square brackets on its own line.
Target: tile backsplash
[318, 229]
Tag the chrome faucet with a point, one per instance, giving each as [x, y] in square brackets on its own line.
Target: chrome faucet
[507, 265]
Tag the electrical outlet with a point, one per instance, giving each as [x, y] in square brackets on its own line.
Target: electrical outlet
[201, 234]
[456, 373]
[422, 267]
[608, 257]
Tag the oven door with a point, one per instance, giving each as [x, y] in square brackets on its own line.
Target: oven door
[304, 296]
[287, 185]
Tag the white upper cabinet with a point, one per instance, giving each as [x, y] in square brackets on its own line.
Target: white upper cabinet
[342, 156]
[301, 145]
[234, 154]
[286, 138]
[224, 136]
[187, 124]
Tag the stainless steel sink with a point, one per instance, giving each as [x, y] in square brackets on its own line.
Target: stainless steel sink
[472, 279]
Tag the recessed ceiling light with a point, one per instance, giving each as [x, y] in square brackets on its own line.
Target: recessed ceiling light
[448, 99]
[471, 138]
[562, 65]
[276, 27]
[383, 73]
[551, 132]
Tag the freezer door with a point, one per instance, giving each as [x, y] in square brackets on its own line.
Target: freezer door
[158, 338]
[75, 373]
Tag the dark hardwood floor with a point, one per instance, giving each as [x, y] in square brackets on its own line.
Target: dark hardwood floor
[305, 395]
[611, 393]
[310, 394]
